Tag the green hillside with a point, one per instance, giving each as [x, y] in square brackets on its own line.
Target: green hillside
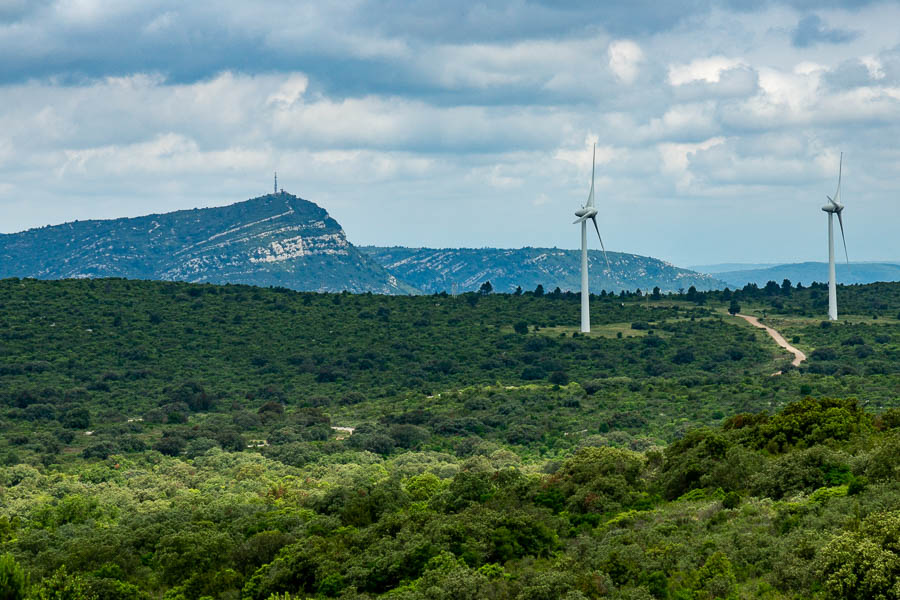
[172, 440]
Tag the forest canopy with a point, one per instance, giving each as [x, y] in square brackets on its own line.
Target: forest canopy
[168, 440]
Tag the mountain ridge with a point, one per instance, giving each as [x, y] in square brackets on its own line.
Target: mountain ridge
[435, 270]
[283, 240]
[807, 272]
[275, 239]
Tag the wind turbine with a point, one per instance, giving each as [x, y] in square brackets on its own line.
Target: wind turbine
[834, 208]
[588, 211]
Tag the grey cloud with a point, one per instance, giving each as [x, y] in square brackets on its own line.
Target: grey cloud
[812, 30]
[349, 48]
[849, 74]
[808, 5]
[890, 65]
[13, 11]
[738, 163]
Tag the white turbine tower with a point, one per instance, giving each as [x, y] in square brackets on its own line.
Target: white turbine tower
[834, 208]
[588, 211]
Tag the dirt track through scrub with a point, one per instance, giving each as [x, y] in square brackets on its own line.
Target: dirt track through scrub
[799, 356]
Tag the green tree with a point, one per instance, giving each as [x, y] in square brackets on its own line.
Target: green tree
[734, 308]
[864, 564]
[13, 580]
[716, 576]
[63, 586]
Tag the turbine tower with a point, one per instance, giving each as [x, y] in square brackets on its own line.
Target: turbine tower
[588, 211]
[834, 207]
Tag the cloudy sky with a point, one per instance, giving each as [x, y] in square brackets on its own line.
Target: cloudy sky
[718, 124]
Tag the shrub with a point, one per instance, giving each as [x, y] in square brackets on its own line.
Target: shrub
[192, 394]
[889, 419]
[593, 386]
[559, 378]
[101, 450]
[683, 356]
[77, 418]
[731, 500]
[533, 373]
[824, 353]
[170, 445]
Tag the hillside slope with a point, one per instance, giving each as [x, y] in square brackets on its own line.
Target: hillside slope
[808, 272]
[436, 270]
[276, 239]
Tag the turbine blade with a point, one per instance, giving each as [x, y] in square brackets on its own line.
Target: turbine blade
[578, 220]
[837, 194]
[590, 201]
[608, 268]
[841, 221]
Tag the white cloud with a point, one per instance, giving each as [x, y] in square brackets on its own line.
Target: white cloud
[393, 130]
[540, 200]
[676, 158]
[290, 91]
[874, 66]
[581, 157]
[559, 65]
[161, 23]
[167, 154]
[624, 58]
[703, 69]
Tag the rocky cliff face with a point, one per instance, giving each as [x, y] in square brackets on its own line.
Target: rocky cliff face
[436, 270]
[277, 239]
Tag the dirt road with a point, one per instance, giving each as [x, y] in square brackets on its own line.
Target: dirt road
[799, 357]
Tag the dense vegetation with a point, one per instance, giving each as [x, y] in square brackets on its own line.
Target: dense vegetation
[178, 441]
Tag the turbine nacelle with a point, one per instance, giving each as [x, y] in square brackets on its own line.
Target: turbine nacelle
[834, 207]
[585, 213]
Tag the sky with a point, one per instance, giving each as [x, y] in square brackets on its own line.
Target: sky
[719, 124]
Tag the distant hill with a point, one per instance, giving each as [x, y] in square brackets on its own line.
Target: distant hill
[808, 272]
[436, 270]
[723, 267]
[276, 239]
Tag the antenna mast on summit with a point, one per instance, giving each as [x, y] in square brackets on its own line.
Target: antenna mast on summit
[276, 182]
